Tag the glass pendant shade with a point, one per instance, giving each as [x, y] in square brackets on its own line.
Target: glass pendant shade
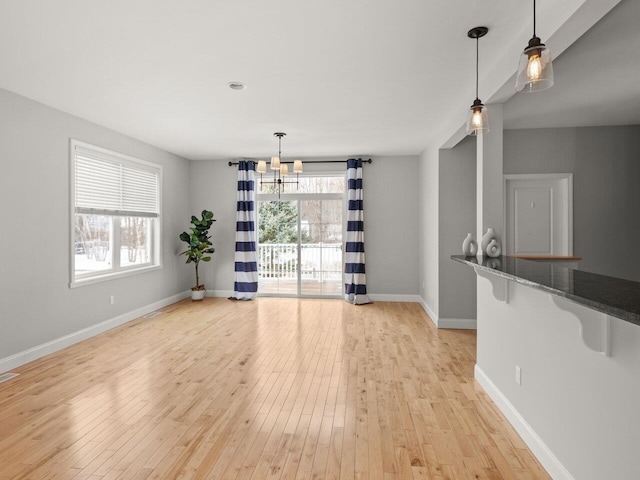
[535, 71]
[478, 119]
[275, 163]
[262, 166]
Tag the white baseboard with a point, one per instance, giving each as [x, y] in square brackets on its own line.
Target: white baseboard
[546, 457]
[453, 323]
[430, 313]
[376, 297]
[219, 293]
[458, 323]
[386, 297]
[21, 358]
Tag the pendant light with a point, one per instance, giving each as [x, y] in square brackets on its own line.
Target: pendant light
[477, 121]
[535, 71]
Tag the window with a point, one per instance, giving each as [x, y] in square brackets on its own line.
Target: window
[115, 225]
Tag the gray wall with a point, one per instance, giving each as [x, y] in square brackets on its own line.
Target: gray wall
[428, 174]
[391, 192]
[36, 303]
[391, 195]
[457, 217]
[213, 186]
[605, 162]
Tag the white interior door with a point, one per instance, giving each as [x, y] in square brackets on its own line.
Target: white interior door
[539, 214]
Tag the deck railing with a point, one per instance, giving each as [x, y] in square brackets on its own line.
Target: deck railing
[318, 261]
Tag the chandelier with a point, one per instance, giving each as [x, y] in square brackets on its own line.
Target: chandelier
[280, 169]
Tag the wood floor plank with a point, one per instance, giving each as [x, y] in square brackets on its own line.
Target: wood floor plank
[271, 389]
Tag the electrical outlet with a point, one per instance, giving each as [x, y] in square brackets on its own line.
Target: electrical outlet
[112, 300]
[518, 375]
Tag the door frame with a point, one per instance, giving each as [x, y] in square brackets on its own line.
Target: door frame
[567, 183]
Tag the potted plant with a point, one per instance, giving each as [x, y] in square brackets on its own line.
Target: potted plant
[200, 247]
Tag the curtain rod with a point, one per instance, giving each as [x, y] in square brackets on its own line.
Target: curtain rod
[317, 161]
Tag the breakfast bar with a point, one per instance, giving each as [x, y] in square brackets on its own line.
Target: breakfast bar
[558, 350]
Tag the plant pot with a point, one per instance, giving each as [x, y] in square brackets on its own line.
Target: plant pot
[197, 295]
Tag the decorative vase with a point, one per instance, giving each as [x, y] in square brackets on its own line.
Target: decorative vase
[469, 246]
[486, 240]
[494, 249]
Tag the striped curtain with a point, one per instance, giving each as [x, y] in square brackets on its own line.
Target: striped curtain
[355, 283]
[245, 284]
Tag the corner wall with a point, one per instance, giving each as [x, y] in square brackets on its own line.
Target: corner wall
[213, 187]
[429, 171]
[457, 217]
[36, 304]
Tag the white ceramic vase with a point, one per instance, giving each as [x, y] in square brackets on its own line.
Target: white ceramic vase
[486, 240]
[493, 249]
[469, 246]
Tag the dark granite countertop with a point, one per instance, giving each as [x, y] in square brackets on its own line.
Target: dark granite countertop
[613, 296]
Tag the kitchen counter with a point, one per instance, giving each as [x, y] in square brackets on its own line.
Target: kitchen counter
[612, 296]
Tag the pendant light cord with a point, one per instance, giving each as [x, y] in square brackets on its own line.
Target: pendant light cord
[477, 60]
[534, 18]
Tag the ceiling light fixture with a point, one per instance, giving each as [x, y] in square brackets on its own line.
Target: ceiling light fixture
[477, 120]
[280, 168]
[535, 71]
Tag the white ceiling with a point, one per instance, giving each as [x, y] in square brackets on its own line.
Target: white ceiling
[357, 77]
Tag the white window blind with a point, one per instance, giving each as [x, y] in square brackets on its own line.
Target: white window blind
[112, 184]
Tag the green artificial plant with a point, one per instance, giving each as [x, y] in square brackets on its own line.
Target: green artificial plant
[199, 242]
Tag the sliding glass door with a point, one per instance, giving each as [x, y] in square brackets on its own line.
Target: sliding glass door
[300, 239]
[279, 249]
[321, 247]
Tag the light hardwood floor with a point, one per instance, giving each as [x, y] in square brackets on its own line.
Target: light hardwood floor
[274, 388]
